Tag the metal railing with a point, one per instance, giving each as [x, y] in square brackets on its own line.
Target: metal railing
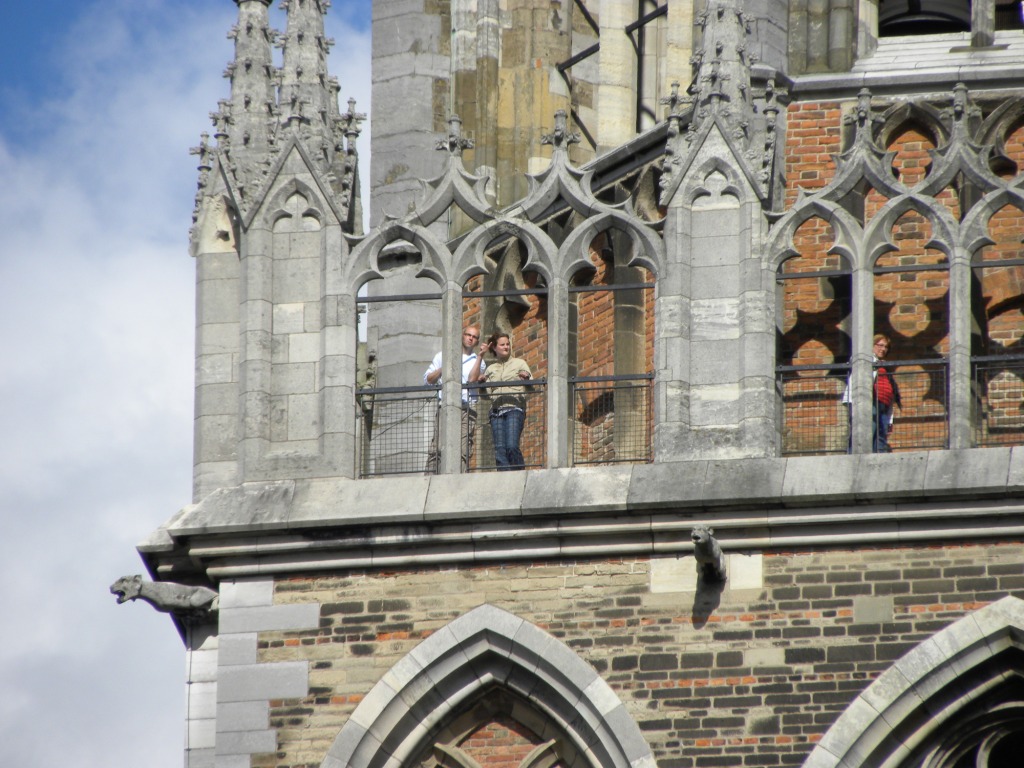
[816, 410]
[921, 422]
[997, 384]
[396, 426]
[612, 419]
[815, 418]
[532, 442]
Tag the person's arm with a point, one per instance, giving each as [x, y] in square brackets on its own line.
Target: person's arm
[474, 372]
[433, 373]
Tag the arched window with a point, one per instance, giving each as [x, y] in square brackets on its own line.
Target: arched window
[997, 337]
[923, 17]
[510, 299]
[911, 308]
[611, 355]
[813, 350]
[399, 332]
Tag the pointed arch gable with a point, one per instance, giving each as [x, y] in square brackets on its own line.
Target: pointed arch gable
[483, 649]
[974, 232]
[540, 250]
[275, 203]
[878, 234]
[363, 261]
[648, 247]
[921, 694]
[848, 232]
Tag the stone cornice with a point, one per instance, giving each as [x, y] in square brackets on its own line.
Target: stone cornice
[753, 504]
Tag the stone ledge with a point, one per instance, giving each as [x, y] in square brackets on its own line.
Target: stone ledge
[688, 487]
[754, 505]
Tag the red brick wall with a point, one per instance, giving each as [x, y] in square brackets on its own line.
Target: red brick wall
[738, 684]
[813, 135]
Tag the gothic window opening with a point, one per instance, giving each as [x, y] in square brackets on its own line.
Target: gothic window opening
[510, 299]
[398, 324]
[499, 730]
[611, 355]
[937, 17]
[813, 349]
[911, 308]
[997, 338]
[923, 17]
[1007, 162]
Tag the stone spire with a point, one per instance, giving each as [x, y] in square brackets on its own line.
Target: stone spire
[308, 96]
[252, 104]
[731, 90]
[268, 107]
[722, 83]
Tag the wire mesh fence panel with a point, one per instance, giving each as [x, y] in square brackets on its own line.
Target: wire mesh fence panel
[998, 386]
[815, 420]
[612, 421]
[396, 430]
[501, 427]
[921, 420]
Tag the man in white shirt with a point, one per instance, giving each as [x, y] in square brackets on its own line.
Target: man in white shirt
[473, 366]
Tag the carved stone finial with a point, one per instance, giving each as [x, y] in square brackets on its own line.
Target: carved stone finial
[561, 137]
[708, 553]
[351, 121]
[167, 597]
[203, 151]
[673, 101]
[455, 142]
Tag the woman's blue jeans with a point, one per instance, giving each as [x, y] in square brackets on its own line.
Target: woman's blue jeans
[506, 428]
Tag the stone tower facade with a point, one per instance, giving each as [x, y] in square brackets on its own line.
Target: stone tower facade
[694, 221]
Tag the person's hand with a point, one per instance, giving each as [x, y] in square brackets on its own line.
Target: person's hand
[524, 375]
[484, 348]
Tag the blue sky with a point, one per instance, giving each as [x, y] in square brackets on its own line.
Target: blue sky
[100, 101]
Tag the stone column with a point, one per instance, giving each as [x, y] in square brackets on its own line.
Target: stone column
[257, 285]
[959, 406]
[861, 389]
[450, 437]
[672, 342]
[217, 352]
[559, 407]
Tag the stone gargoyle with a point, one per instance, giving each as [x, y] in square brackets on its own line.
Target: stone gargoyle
[710, 560]
[166, 596]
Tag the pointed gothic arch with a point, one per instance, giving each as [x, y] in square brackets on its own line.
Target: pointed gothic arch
[916, 706]
[878, 240]
[275, 206]
[848, 232]
[486, 649]
[364, 263]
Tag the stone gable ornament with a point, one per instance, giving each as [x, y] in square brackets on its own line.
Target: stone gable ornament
[167, 597]
[708, 553]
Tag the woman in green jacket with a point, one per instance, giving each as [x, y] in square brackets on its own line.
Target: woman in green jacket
[508, 402]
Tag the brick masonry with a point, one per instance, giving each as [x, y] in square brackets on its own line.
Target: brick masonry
[738, 677]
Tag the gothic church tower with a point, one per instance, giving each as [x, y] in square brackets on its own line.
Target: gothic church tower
[764, 263]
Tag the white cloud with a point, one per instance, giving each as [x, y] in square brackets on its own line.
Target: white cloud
[96, 307]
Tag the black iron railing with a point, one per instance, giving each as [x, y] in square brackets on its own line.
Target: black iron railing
[921, 421]
[396, 426]
[997, 383]
[612, 419]
[815, 414]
